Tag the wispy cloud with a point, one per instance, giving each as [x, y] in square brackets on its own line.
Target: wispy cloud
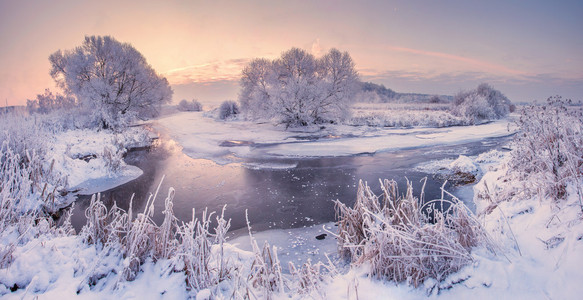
[469, 62]
[228, 70]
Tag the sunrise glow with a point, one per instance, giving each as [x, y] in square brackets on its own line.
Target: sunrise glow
[529, 50]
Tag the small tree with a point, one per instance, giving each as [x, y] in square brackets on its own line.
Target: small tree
[299, 89]
[111, 79]
[434, 99]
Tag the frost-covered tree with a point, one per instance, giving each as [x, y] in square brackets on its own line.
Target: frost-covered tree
[482, 103]
[192, 105]
[111, 79]
[299, 89]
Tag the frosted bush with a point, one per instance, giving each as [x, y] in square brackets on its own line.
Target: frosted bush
[47, 102]
[228, 109]
[188, 247]
[482, 104]
[550, 145]
[309, 278]
[113, 158]
[403, 240]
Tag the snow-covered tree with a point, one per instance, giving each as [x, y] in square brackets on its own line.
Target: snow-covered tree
[482, 103]
[299, 89]
[111, 79]
[192, 105]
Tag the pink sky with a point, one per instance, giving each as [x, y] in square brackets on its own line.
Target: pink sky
[528, 50]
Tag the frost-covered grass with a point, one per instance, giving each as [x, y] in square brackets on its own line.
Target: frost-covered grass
[404, 115]
[63, 143]
[405, 239]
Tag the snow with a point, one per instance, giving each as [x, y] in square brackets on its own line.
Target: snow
[295, 245]
[59, 268]
[98, 182]
[92, 175]
[204, 137]
[464, 164]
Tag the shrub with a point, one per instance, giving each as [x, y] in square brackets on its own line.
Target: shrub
[192, 105]
[228, 109]
[403, 240]
[482, 104]
[434, 99]
[187, 246]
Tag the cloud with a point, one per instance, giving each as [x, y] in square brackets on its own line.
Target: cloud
[316, 49]
[227, 70]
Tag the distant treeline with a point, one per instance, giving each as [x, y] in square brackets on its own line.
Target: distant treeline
[378, 93]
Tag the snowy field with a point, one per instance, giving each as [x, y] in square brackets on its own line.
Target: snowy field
[225, 141]
[404, 115]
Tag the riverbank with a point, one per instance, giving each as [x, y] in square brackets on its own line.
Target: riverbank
[201, 136]
[94, 160]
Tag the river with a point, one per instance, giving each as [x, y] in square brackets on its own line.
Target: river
[299, 195]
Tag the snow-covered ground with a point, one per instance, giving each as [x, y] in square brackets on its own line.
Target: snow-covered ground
[225, 141]
[297, 245]
[539, 252]
[93, 160]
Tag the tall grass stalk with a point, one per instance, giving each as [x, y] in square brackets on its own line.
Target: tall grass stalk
[403, 240]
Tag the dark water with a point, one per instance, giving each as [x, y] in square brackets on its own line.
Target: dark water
[284, 198]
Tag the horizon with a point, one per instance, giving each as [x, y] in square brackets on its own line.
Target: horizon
[528, 52]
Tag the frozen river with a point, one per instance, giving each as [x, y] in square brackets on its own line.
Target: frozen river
[283, 193]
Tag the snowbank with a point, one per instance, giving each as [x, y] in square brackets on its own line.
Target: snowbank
[539, 255]
[93, 160]
[296, 245]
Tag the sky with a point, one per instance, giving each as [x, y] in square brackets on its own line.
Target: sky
[529, 50]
